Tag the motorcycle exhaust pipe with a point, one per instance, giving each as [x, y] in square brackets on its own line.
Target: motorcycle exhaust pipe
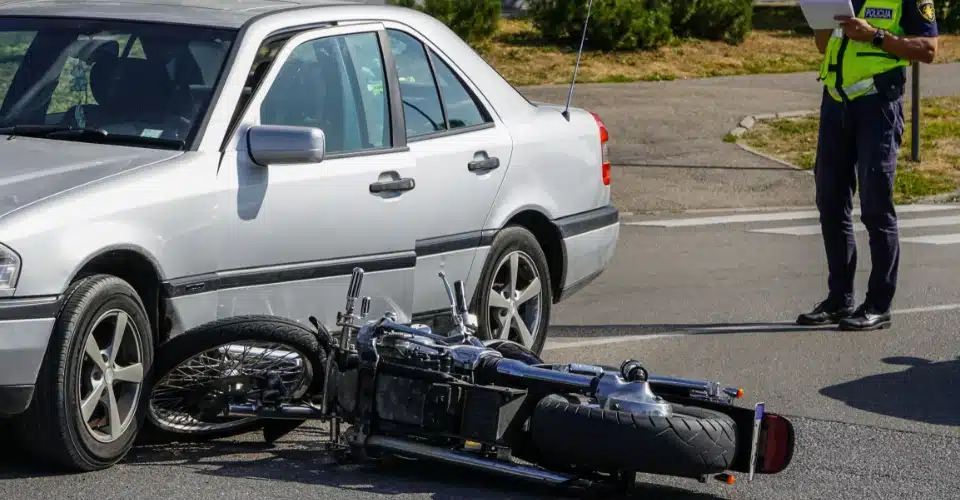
[452, 457]
[517, 373]
[283, 412]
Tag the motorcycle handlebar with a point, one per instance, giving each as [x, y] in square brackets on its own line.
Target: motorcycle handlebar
[460, 297]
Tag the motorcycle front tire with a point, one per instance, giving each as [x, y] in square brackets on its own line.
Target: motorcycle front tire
[693, 442]
[268, 329]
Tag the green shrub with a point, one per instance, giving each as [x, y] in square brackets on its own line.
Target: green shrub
[681, 11]
[613, 25]
[723, 20]
[948, 16]
[473, 20]
[781, 18]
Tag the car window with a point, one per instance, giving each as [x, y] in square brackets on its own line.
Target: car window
[334, 84]
[422, 111]
[13, 47]
[365, 70]
[94, 75]
[462, 109]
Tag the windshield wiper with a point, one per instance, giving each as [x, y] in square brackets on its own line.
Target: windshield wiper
[88, 134]
[51, 131]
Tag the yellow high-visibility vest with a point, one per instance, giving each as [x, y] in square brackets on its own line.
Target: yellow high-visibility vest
[849, 65]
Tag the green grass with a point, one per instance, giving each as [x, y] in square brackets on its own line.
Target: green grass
[779, 43]
[794, 140]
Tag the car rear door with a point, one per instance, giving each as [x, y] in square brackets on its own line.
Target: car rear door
[461, 151]
[299, 229]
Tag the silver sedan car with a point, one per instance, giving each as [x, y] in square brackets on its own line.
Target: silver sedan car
[169, 163]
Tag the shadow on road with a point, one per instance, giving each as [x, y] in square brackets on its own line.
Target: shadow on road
[301, 458]
[927, 391]
[595, 331]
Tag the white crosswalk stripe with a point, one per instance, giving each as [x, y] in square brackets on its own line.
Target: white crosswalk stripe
[936, 239]
[858, 227]
[773, 217]
[917, 217]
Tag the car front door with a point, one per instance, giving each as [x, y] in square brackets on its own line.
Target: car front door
[300, 229]
[461, 151]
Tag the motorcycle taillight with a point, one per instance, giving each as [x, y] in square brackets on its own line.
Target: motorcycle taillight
[777, 449]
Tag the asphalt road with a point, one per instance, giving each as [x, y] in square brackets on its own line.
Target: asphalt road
[877, 413]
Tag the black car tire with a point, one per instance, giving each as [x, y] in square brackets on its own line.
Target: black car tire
[52, 429]
[513, 239]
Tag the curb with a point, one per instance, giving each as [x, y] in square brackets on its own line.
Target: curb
[748, 122]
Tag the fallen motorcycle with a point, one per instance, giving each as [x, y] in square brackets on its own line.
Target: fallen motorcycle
[408, 392]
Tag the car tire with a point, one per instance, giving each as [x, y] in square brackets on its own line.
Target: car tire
[53, 429]
[514, 245]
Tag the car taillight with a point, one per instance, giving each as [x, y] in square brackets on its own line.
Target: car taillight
[605, 149]
[777, 449]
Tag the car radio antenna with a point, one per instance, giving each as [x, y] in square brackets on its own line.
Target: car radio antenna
[576, 67]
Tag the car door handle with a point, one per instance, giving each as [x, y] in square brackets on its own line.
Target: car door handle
[404, 184]
[484, 165]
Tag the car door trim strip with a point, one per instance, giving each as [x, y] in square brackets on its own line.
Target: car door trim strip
[454, 242]
[268, 275]
[238, 278]
[584, 222]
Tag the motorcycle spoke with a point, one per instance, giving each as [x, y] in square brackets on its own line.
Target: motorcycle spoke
[171, 404]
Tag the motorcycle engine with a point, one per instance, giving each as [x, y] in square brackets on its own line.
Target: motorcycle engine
[418, 382]
[413, 351]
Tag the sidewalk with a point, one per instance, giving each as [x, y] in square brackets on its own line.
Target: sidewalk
[666, 137]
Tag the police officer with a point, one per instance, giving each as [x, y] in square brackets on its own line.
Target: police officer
[861, 129]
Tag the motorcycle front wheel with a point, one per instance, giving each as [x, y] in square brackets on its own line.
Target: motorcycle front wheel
[691, 443]
[197, 365]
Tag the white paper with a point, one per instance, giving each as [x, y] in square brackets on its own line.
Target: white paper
[820, 13]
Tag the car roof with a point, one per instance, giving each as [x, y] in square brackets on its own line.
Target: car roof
[213, 13]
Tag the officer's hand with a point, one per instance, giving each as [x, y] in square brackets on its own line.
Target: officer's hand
[856, 29]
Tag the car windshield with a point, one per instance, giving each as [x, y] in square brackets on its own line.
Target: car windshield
[108, 81]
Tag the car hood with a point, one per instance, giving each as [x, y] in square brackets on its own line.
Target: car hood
[32, 169]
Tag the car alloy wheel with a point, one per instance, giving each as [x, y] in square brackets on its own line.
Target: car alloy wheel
[515, 304]
[110, 376]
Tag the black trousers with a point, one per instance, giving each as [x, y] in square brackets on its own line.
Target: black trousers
[858, 146]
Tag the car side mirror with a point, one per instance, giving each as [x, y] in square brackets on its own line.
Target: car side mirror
[285, 144]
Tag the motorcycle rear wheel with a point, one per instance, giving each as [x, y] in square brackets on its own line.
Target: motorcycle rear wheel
[191, 356]
[691, 443]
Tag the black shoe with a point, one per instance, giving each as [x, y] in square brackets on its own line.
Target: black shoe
[825, 313]
[865, 318]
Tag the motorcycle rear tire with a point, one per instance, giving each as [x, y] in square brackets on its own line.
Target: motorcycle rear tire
[691, 443]
[225, 331]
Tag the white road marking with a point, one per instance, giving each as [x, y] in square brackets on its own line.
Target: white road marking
[771, 217]
[858, 227]
[936, 239]
[554, 344]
